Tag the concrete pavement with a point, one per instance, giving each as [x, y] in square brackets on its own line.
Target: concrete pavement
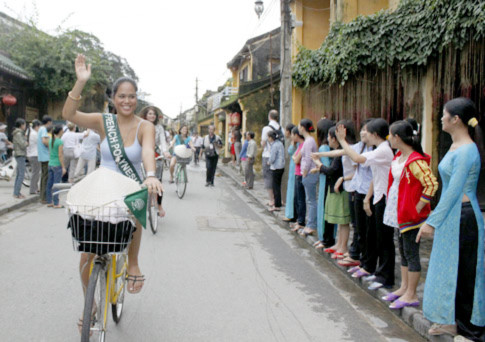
[220, 269]
[411, 316]
[9, 203]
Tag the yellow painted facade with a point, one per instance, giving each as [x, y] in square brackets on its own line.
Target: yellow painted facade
[317, 17]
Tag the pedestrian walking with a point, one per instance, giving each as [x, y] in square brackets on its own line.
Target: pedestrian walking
[32, 156]
[251, 153]
[4, 143]
[299, 188]
[20, 144]
[56, 165]
[211, 146]
[277, 166]
[290, 210]
[244, 157]
[380, 161]
[87, 158]
[237, 144]
[71, 149]
[454, 292]
[410, 188]
[272, 125]
[198, 142]
[325, 230]
[43, 155]
[309, 180]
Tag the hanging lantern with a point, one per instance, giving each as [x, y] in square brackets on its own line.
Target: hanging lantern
[9, 100]
[259, 8]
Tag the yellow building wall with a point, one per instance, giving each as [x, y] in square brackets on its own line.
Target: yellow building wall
[315, 17]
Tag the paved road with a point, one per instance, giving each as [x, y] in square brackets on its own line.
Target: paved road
[219, 269]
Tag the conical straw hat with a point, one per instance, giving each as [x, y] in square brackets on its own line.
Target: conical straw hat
[101, 187]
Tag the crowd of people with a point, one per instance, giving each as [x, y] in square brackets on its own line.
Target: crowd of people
[52, 151]
[382, 185]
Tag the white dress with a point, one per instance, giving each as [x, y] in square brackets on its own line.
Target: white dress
[390, 214]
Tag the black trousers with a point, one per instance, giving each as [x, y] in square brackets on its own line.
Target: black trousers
[196, 155]
[300, 201]
[386, 251]
[329, 228]
[354, 250]
[367, 239]
[211, 164]
[277, 175]
[467, 267]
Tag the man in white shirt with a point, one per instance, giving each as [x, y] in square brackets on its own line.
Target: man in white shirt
[198, 142]
[88, 153]
[71, 141]
[32, 156]
[272, 125]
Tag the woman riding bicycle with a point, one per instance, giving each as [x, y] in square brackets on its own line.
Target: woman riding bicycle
[139, 140]
[151, 114]
[183, 138]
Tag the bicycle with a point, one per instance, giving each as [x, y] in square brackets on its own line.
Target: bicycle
[153, 204]
[105, 231]
[181, 175]
[9, 168]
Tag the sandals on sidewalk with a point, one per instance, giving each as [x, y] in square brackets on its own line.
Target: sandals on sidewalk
[133, 278]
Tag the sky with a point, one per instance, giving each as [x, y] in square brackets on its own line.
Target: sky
[169, 43]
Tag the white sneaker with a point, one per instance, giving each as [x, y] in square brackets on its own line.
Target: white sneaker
[375, 285]
[370, 278]
[460, 338]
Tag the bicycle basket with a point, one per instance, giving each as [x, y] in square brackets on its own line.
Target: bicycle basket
[183, 160]
[100, 230]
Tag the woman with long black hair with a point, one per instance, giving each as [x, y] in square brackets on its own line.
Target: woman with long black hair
[454, 293]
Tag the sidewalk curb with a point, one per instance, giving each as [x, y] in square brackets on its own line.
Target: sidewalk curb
[9, 208]
[409, 315]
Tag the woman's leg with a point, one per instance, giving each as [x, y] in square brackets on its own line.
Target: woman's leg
[404, 269]
[411, 253]
[133, 268]
[385, 247]
[343, 238]
[84, 268]
[300, 200]
[20, 175]
[310, 182]
[34, 179]
[57, 179]
[173, 161]
[465, 287]
[50, 182]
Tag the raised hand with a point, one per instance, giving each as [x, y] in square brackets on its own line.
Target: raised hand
[341, 133]
[83, 73]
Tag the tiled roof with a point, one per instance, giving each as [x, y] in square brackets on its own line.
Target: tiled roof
[6, 65]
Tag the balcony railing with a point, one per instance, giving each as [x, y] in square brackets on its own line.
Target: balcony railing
[215, 100]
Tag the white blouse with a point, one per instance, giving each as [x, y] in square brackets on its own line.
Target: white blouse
[379, 160]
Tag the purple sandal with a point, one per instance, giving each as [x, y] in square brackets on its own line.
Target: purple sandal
[360, 274]
[391, 297]
[400, 304]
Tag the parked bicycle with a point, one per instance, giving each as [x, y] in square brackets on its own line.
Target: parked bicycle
[9, 167]
[105, 231]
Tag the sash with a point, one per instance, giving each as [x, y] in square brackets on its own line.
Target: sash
[115, 143]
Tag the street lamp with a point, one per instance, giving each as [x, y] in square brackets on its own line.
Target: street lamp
[259, 7]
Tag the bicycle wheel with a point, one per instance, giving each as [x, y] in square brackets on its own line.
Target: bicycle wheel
[153, 213]
[119, 287]
[181, 181]
[95, 295]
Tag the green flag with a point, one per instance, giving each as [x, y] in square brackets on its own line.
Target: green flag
[137, 203]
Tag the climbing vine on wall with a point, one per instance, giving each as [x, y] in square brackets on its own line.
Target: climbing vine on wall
[408, 36]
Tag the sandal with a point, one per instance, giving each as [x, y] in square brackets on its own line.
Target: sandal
[349, 262]
[296, 228]
[58, 206]
[441, 329]
[307, 231]
[19, 196]
[135, 279]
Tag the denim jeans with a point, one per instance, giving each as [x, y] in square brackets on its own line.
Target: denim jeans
[20, 175]
[55, 176]
[310, 184]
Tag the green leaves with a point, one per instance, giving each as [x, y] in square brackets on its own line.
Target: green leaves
[50, 59]
[410, 35]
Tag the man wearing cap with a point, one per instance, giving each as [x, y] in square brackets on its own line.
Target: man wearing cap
[43, 155]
